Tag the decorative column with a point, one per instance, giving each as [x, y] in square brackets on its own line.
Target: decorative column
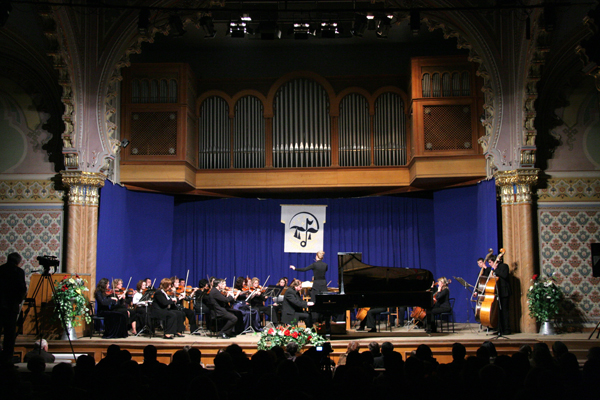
[82, 217]
[518, 239]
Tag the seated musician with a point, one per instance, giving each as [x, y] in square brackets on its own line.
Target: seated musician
[140, 306]
[163, 307]
[258, 301]
[218, 304]
[241, 304]
[292, 309]
[115, 321]
[181, 295]
[441, 303]
[200, 296]
[123, 304]
[370, 319]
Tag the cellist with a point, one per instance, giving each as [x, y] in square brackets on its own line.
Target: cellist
[441, 303]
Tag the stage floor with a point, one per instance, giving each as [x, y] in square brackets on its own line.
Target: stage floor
[405, 341]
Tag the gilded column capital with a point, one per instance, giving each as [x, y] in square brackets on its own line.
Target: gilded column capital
[83, 186]
[516, 185]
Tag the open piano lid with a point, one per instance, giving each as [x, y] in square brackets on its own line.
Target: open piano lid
[356, 277]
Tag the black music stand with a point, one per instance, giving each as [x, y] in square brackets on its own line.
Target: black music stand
[200, 330]
[147, 299]
[272, 291]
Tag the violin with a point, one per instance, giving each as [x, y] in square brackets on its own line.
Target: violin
[130, 292]
[119, 292]
[108, 292]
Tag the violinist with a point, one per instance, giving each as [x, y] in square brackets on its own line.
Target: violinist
[180, 295]
[241, 304]
[115, 319]
[163, 307]
[218, 302]
[200, 296]
[140, 306]
[502, 271]
[258, 301]
[441, 303]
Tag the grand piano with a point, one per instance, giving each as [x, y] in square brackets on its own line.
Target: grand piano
[364, 285]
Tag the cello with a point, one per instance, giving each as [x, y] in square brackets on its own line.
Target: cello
[487, 302]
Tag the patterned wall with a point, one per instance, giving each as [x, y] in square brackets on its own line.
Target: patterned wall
[31, 220]
[566, 232]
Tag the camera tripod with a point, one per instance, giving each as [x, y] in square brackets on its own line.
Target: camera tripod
[46, 276]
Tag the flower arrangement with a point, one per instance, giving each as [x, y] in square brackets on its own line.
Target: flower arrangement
[544, 298]
[282, 335]
[69, 301]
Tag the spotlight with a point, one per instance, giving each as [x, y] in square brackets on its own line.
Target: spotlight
[176, 25]
[383, 27]
[5, 9]
[144, 21]
[301, 31]
[209, 27]
[124, 143]
[415, 22]
[360, 25]
[329, 30]
[246, 18]
[237, 29]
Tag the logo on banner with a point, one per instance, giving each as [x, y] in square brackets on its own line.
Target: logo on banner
[304, 228]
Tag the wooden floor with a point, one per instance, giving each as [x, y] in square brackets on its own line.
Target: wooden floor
[405, 340]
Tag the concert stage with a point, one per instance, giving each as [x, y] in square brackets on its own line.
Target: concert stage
[405, 340]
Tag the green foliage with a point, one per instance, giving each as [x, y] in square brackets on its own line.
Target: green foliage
[282, 335]
[69, 299]
[544, 298]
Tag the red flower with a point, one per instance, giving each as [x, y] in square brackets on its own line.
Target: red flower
[309, 337]
[534, 278]
[271, 331]
[65, 277]
[76, 276]
[64, 288]
[286, 333]
[295, 335]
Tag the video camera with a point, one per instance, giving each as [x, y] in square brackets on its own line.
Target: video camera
[47, 262]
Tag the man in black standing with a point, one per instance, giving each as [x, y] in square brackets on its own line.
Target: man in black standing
[502, 271]
[11, 297]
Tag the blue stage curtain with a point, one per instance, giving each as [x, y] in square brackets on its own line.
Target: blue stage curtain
[227, 238]
[135, 234]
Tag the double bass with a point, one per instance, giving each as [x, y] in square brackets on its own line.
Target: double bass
[486, 311]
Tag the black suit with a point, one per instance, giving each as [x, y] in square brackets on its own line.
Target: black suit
[503, 286]
[217, 302]
[161, 308]
[11, 296]
[292, 308]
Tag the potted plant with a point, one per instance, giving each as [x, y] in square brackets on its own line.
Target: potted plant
[69, 302]
[544, 299]
[282, 335]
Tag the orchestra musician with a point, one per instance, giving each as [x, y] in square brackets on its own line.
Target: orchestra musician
[370, 319]
[200, 296]
[241, 304]
[115, 319]
[140, 306]
[502, 271]
[163, 307]
[180, 294]
[319, 268]
[258, 301]
[218, 303]
[441, 303]
[293, 306]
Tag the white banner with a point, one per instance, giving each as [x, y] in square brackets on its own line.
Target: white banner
[303, 228]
